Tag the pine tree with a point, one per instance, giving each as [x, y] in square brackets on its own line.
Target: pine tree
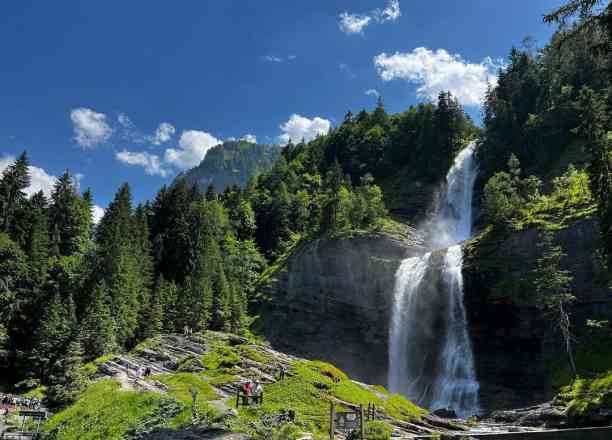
[67, 380]
[38, 239]
[553, 294]
[145, 258]
[153, 315]
[125, 264]
[238, 308]
[15, 179]
[166, 293]
[169, 230]
[97, 328]
[69, 217]
[221, 306]
[195, 302]
[53, 334]
[593, 128]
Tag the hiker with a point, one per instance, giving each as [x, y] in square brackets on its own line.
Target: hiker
[185, 331]
[258, 393]
[281, 372]
[147, 371]
[246, 393]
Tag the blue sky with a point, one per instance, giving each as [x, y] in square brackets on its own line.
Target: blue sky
[138, 90]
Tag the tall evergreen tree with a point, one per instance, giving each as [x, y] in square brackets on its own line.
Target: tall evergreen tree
[97, 328]
[553, 294]
[15, 179]
[69, 217]
[53, 334]
[38, 238]
[594, 129]
[67, 380]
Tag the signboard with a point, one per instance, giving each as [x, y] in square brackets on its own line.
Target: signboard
[36, 415]
[347, 421]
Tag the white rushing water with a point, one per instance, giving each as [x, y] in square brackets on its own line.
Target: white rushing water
[430, 354]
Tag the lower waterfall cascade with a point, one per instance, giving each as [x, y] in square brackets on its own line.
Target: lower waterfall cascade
[430, 353]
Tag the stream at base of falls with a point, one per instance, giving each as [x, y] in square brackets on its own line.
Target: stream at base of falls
[430, 354]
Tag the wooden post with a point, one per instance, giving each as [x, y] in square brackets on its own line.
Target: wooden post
[362, 422]
[332, 420]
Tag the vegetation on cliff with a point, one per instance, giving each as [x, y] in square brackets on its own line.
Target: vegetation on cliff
[232, 163]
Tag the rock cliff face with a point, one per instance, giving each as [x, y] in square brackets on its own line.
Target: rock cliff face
[333, 300]
[512, 342]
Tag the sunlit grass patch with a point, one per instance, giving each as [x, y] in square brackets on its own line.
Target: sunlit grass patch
[102, 412]
[180, 386]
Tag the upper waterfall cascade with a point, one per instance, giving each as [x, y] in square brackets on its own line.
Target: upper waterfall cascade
[430, 354]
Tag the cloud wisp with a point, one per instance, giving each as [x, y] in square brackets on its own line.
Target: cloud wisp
[150, 162]
[278, 59]
[352, 24]
[438, 71]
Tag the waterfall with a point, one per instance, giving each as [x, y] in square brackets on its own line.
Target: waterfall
[430, 353]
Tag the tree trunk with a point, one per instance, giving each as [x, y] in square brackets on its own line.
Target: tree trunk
[564, 323]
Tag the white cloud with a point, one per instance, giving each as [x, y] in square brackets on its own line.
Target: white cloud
[90, 128]
[150, 162]
[437, 71]
[97, 213]
[164, 133]
[372, 92]
[299, 127]
[125, 120]
[291, 57]
[193, 145]
[356, 23]
[390, 13]
[249, 138]
[353, 23]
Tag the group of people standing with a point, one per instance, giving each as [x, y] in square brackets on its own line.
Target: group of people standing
[253, 389]
[9, 402]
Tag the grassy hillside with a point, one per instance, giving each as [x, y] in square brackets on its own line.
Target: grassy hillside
[214, 365]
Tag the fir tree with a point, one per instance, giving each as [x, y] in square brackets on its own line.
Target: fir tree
[53, 333]
[553, 294]
[153, 315]
[67, 380]
[97, 328]
[15, 179]
[69, 217]
[38, 238]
